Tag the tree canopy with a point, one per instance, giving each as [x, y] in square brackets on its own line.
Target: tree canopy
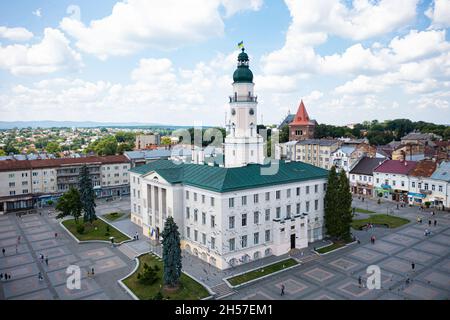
[87, 195]
[171, 253]
[69, 204]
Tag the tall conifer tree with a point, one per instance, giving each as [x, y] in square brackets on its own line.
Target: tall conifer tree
[87, 195]
[331, 204]
[344, 207]
[171, 253]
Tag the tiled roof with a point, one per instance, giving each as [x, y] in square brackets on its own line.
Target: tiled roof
[221, 179]
[366, 165]
[302, 117]
[423, 168]
[321, 142]
[396, 167]
[11, 165]
[442, 172]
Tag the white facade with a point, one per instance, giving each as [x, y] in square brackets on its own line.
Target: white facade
[115, 174]
[227, 229]
[424, 189]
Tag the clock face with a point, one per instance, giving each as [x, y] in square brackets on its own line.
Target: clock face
[233, 112]
[252, 112]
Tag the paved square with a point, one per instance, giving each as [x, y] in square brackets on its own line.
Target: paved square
[96, 253]
[108, 264]
[401, 239]
[11, 261]
[344, 264]
[419, 291]
[21, 286]
[437, 279]
[434, 248]
[39, 245]
[88, 288]
[413, 232]
[352, 289]
[22, 271]
[442, 239]
[384, 247]
[366, 255]
[397, 265]
[258, 296]
[416, 256]
[319, 274]
[44, 294]
[291, 286]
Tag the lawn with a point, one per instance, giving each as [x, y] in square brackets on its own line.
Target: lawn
[380, 219]
[113, 216]
[331, 247]
[359, 210]
[95, 231]
[255, 274]
[189, 288]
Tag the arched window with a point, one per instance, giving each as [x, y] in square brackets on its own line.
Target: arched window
[252, 126]
[233, 128]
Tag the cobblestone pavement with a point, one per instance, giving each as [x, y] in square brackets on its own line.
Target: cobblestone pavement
[335, 276]
[37, 236]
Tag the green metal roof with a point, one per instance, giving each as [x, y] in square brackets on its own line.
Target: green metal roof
[243, 74]
[221, 180]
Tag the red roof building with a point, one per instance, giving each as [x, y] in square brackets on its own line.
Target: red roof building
[396, 167]
[302, 127]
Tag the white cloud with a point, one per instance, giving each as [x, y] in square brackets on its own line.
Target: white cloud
[137, 24]
[360, 85]
[37, 13]
[439, 14]
[15, 34]
[52, 54]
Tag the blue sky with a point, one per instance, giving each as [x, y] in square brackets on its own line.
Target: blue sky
[172, 62]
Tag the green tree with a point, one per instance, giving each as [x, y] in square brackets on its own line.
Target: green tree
[2, 152]
[87, 195]
[331, 204]
[344, 207]
[69, 204]
[124, 147]
[171, 253]
[53, 147]
[284, 134]
[166, 141]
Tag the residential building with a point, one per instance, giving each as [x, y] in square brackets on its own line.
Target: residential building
[361, 176]
[392, 180]
[421, 186]
[302, 127]
[27, 183]
[315, 151]
[147, 141]
[441, 179]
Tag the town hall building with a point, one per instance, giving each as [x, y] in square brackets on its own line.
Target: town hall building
[241, 209]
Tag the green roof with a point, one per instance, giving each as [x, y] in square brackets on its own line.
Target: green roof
[243, 74]
[221, 179]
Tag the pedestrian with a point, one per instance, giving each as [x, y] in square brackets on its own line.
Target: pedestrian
[4, 251]
[40, 277]
[18, 240]
[92, 271]
[360, 281]
[46, 260]
[413, 266]
[435, 223]
[429, 223]
[282, 290]
[17, 249]
[56, 235]
[137, 235]
[1, 276]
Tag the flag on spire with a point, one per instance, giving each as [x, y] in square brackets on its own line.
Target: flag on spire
[241, 45]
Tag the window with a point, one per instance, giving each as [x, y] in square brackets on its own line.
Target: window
[433, 187]
[12, 193]
[278, 195]
[316, 188]
[231, 222]
[25, 191]
[35, 174]
[244, 241]
[244, 200]
[403, 183]
[255, 198]
[267, 217]
[267, 196]
[267, 235]
[195, 196]
[195, 215]
[256, 238]
[288, 193]
[213, 221]
[195, 235]
[139, 194]
[307, 189]
[231, 203]
[316, 205]
[288, 211]
[188, 213]
[232, 244]
[203, 198]
[256, 217]
[188, 232]
[298, 191]
[187, 193]
[244, 220]
[307, 206]
[212, 202]
[413, 184]
[278, 212]
[12, 184]
[213, 243]
[297, 209]
[440, 188]
[11, 175]
[203, 217]
[203, 238]
[426, 186]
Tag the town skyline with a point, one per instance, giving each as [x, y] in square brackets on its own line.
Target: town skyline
[346, 71]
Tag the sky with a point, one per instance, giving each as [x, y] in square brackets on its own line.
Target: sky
[171, 62]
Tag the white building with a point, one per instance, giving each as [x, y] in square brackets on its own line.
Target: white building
[232, 214]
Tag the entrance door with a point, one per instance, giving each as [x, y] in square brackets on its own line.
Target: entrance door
[292, 241]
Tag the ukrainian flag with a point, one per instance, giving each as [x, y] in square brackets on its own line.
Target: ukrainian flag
[241, 45]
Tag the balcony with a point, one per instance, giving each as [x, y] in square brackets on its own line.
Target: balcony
[243, 99]
[423, 191]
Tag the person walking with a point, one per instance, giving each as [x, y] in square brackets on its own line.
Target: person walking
[435, 223]
[46, 260]
[429, 223]
[413, 266]
[17, 249]
[282, 290]
[4, 251]
[92, 271]
[18, 240]
[40, 277]
[360, 281]
[56, 235]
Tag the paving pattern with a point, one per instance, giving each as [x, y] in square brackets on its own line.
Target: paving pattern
[37, 236]
[335, 276]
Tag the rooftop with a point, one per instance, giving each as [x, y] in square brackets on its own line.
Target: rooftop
[321, 142]
[221, 179]
[442, 172]
[423, 168]
[366, 166]
[396, 167]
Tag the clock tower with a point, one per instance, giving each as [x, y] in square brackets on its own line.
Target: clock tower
[243, 145]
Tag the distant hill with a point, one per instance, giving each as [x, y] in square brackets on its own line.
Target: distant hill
[79, 124]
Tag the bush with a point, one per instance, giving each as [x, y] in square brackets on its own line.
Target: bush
[158, 296]
[50, 202]
[107, 228]
[149, 276]
[80, 228]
